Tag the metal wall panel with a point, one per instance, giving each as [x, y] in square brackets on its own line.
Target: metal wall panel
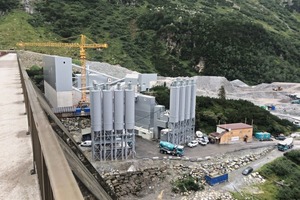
[145, 79]
[144, 111]
[58, 72]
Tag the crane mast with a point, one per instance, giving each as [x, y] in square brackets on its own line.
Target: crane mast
[82, 52]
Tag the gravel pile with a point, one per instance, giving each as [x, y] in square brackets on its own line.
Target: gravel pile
[238, 83]
[112, 70]
[210, 85]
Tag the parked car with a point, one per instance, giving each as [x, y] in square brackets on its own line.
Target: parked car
[193, 143]
[247, 171]
[87, 143]
[202, 141]
[205, 138]
[280, 137]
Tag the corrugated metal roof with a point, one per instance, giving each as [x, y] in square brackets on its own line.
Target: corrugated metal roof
[234, 126]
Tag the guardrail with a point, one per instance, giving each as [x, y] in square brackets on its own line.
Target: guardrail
[55, 177]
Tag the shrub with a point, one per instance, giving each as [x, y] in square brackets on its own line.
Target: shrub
[188, 183]
[294, 156]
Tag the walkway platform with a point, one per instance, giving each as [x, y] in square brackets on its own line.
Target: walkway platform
[15, 145]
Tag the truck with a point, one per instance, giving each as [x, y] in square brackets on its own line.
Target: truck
[262, 136]
[285, 144]
[214, 179]
[296, 101]
[169, 148]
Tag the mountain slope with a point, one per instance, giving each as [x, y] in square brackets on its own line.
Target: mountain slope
[251, 40]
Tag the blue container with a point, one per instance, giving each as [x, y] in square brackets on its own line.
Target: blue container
[87, 110]
[78, 111]
[262, 136]
[213, 180]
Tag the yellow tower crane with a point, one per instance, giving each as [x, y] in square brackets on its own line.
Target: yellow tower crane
[82, 46]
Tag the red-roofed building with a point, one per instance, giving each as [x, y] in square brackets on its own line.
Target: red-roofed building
[232, 133]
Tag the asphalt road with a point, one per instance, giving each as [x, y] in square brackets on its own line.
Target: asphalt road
[147, 149]
[236, 179]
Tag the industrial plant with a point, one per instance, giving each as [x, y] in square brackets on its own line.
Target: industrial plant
[118, 109]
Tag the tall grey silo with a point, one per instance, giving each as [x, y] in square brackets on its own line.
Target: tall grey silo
[182, 111]
[107, 141]
[112, 129]
[189, 135]
[174, 113]
[182, 108]
[129, 118]
[119, 102]
[96, 122]
[193, 107]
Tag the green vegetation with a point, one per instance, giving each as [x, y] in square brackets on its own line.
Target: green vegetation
[283, 176]
[212, 111]
[162, 95]
[37, 76]
[251, 40]
[222, 93]
[7, 5]
[185, 184]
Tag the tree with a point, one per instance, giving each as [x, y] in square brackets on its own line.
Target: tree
[7, 5]
[222, 93]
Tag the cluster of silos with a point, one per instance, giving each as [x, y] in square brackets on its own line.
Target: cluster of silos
[182, 111]
[112, 122]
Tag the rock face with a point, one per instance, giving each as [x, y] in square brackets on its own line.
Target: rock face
[75, 124]
[254, 178]
[135, 180]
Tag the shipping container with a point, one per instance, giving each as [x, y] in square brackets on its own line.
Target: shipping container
[213, 180]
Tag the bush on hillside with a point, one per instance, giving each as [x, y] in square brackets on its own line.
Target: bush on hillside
[294, 156]
[186, 184]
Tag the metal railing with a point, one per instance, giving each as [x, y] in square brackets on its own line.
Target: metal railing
[55, 177]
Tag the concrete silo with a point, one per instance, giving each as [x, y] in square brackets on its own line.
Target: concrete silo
[182, 111]
[96, 122]
[112, 129]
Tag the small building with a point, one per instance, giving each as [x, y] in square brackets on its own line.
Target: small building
[232, 133]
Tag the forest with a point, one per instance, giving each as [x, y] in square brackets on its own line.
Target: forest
[254, 41]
